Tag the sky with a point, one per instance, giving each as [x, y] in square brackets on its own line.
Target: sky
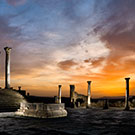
[69, 42]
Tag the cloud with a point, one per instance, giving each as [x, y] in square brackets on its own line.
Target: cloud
[16, 2]
[8, 37]
[7, 31]
[117, 31]
[95, 62]
[67, 64]
[120, 40]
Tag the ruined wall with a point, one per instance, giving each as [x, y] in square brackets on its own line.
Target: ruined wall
[77, 100]
[41, 110]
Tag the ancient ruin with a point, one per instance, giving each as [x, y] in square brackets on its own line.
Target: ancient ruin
[12, 99]
[79, 100]
[41, 110]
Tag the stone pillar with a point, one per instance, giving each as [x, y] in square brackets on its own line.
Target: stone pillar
[89, 94]
[7, 67]
[56, 99]
[106, 105]
[72, 89]
[28, 94]
[127, 94]
[59, 94]
[19, 88]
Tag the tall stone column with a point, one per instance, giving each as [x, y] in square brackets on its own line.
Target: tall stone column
[89, 94]
[72, 89]
[7, 67]
[127, 94]
[72, 101]
[59, 94]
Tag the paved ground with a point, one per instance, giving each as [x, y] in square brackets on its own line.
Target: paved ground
[79, 121]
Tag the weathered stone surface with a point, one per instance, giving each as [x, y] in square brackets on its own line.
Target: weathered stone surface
[40, 110]
[7, 67]
[89, 95]
[10, 100]
[75, 98]
[127, 94]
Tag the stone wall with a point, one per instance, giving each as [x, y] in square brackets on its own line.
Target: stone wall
[77, 100]
[41, 110]
[10, 100]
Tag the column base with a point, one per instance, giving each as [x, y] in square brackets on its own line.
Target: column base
[127, 108]
[7, 88]
[88, 106]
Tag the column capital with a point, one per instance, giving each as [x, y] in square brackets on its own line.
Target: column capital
[72, 86]
[59, 86]
[19, 87]
[89, 82]
[7, 49]
[128, 78]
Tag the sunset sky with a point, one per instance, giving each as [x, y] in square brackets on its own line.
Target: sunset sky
[69, 42]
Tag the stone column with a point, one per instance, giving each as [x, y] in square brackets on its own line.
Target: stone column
[7, 67]
[72, 89]
[56, 99]
[19, 88]
[59, 94]
[89, 94]
[72, 102]
[127, 94]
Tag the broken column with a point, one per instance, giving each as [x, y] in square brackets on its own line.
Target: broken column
[7, 67]
[56, 99]
[59, 95]
[106, 105]
[89, 94]
[72, 90]
[127, 94]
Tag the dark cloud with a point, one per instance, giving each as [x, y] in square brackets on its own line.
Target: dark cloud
[95, 62]
[22, 62]
[118, 39]
[67, 64]
[8, 37]
[7, 31]
[118, 28]
[117, 31]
